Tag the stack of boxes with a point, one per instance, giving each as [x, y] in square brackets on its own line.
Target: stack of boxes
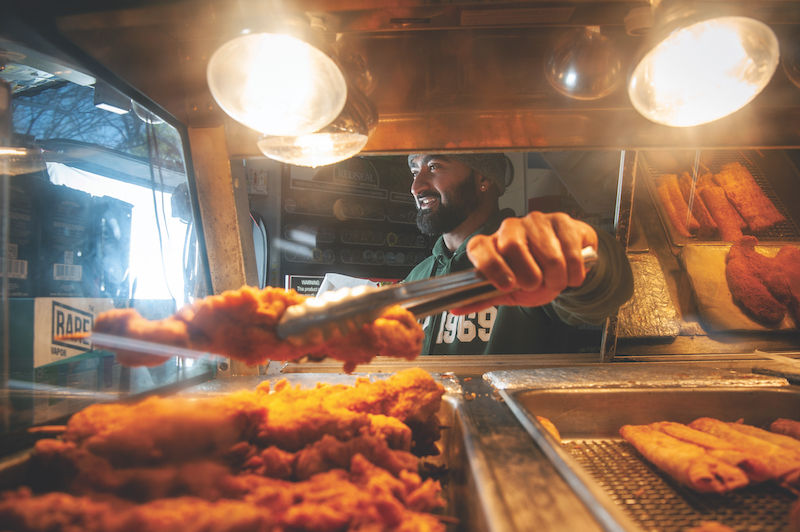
[64, 242]
[66, 261]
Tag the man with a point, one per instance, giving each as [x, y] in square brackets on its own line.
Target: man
[535, 259]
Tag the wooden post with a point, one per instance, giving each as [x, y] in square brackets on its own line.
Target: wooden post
[225, 212]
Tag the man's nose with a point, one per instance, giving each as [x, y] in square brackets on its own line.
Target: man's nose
[420, 182]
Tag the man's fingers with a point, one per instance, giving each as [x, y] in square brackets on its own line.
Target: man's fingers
[512, 244]
[546, 249]
[575, 236]
[483, 254]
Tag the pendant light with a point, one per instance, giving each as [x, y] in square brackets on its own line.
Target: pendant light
[345, 137]
[279, 82]
[583, 64]
[698, 67]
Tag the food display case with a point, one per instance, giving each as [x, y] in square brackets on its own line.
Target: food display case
[128, 185]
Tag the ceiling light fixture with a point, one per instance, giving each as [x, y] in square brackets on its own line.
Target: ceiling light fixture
[276, 83]
[344, 138]
[110, 99]
[583, 64]
[696, 68]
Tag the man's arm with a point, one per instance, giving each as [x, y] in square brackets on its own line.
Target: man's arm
[537, 259]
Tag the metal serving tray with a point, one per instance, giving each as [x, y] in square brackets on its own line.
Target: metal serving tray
[607, 472]
[784, 232]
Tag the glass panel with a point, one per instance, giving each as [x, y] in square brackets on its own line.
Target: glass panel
[96, 215]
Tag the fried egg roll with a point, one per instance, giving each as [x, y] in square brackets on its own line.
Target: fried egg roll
[756, 470]
[687, 463]
[723, 213]
[677, 209]
[784, 465]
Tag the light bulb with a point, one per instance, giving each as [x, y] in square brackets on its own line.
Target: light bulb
[276, 84]
[704, 71]
[315, 149]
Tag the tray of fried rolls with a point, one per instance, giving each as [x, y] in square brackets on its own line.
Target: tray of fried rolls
[678, 458]
[715, 198]
[745, 286]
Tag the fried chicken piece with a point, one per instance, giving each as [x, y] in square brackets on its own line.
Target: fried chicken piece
[368, 499]
[179, 429]
[329, 453]
[241, 324]
[748, 198]
[674, 203]
[409, 488]
[63, 466]
[158, 430]
[549, 427]
[411, 396]
[326, 454]
[725, 216]
[757, 282]
[786, 427]
[789, 259]
[692, 195]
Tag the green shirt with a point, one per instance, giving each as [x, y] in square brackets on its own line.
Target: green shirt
[551, 328]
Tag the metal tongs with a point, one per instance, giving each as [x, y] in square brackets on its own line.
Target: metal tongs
[346, 310]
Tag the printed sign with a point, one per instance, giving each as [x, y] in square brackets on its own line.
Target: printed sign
[55, 317]
[356, 172]
[307, 285]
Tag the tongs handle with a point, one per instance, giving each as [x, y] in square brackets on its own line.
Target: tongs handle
[346, 310]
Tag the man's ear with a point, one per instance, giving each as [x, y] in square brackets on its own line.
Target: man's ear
[483, 183]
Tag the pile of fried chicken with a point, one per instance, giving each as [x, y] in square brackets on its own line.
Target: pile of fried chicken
[241, 324]
[333, 458]
[764, 286]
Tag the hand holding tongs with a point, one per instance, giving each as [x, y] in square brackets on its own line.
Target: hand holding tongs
[348, 309]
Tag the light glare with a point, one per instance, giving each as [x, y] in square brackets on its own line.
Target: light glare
[705, 71]
[315, 149]
[276, 84]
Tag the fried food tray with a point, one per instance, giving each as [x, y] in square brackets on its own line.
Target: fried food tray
[615, 476]
[653, 165]
[705, 266]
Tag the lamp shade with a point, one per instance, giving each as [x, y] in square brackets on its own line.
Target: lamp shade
[276, 84]
[704, 71]
[583, 64]
[342, 139]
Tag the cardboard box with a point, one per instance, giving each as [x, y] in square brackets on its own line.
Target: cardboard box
[24, 224]
[66, 260]
[67, 375]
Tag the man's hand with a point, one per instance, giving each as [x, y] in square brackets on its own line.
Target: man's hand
[533, 258]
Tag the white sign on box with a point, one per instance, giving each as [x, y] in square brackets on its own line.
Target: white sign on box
[54, 317]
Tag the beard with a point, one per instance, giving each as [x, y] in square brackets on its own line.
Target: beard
[452, 212]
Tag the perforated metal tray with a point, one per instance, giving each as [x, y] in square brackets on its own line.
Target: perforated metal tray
[786, 231]
[610, 472]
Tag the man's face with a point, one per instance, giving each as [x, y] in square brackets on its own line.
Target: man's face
[444, 190]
